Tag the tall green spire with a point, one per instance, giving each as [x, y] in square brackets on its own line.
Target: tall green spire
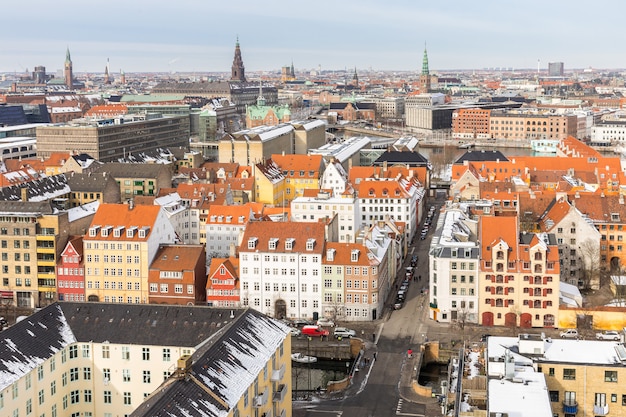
[67, 55]
[425, 70]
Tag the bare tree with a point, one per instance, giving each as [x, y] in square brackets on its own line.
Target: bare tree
[590, 257]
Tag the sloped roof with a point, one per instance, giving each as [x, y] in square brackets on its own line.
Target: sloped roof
[178, 257]
[406, 158]
[299, 231]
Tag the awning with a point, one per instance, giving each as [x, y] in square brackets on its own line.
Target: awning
[6, 294]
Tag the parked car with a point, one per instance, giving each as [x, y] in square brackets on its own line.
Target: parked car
[343, 332]
[569, 334]
[326, 322]
[608, 335]
[397, 305]
[302, 322]
[295, 332]
[313, 330]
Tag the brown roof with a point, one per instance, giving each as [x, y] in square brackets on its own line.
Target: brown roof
[299, 231]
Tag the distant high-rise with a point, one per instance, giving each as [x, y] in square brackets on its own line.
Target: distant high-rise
[425, 76]
[238, 72]
[555, 69]
[67, 72]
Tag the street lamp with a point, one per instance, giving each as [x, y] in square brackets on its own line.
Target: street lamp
[308, 352]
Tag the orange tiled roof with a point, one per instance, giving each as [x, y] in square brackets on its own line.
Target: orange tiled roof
[299, 166]
[494, 229]
[122, 215]
[232, 267]
[178, 258]
[229, 212]
[342, 254]
[299, 231]
[382, 189]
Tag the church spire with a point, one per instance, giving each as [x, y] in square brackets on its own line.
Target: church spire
[425, 76]
[238, 72]
[67, 70]
[425, 70]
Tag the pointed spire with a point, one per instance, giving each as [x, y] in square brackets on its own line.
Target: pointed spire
[425, 70]
[238, 70]
[68, 58]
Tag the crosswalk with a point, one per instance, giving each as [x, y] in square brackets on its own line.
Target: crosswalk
[405, 409]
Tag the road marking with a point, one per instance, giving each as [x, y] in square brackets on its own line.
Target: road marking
[336, 412]
[399, 411]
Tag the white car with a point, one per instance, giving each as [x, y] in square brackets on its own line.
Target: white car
[343, 332]
[295, 332]
[326, 322]
[569, 334]
[608, 335]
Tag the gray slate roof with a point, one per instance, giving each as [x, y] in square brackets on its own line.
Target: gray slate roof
[233, 347]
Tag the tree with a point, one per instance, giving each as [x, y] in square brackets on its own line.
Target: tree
[590, 258]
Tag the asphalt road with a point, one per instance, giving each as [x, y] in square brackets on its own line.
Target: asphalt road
[377, 392]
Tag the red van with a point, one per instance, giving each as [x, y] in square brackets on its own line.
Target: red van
[314, 331]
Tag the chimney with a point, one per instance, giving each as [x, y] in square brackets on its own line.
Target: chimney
[24, 192]
[131, 204]
[384, 166]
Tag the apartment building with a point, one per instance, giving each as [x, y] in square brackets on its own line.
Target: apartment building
[578, 240]
[178, 275]
[225, 226]
[519, 275]
[86, 359]
[471, 123]
[89, 187]
[454, 274]
[531, 124]
[178, 213]
[315, 205]
[335, 178]
[301, 172]
[119, 247]
[280, 267]
[248, 147]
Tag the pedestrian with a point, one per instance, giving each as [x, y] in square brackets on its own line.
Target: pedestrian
[373, 337]
[375, 355]
[409, 353]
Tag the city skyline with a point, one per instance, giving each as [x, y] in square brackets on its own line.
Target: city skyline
[138, 36]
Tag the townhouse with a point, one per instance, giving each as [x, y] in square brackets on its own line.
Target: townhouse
[178, 275]
[119, 248]
[71, 271]
[301, 172]
[225, 226]
[223, 286]
[280, 265]
[454, 269]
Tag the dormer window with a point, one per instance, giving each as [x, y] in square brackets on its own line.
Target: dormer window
[213, 219]
[143, 232]
[330, 254]
[106, 230]
[220, 219]
[385, 192]
[93, 232]
[371, 192]
[242, 219]
[272, 243]
[117, 232]
[131, 231]
[354, 255]
[289, 243]
[252, 242]
[615, 217]
[229, 219]
[310, 243]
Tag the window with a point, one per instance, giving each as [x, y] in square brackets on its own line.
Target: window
[87, 373]
[554, 396]
[551, 371]
[53, 387]
[127, 398]
[87, 395]
[74, 374]
[146, 377]
[106, 372]
[126, 375]
[106, 353]
[145, 354]
[167, 356]
[569, 374]
[107, 397]
[125, 352]
[610, 376]
[75, 397]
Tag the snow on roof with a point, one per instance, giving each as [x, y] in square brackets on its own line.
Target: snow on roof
[31, 342]
[85, 210]
[520, 399]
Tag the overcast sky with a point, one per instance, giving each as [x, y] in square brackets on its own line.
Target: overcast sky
[200, 35]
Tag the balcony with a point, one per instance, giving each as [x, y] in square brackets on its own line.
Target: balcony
[278, 374]
[601, 410]
[261, 399]
[570, 407]
[280, 393]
